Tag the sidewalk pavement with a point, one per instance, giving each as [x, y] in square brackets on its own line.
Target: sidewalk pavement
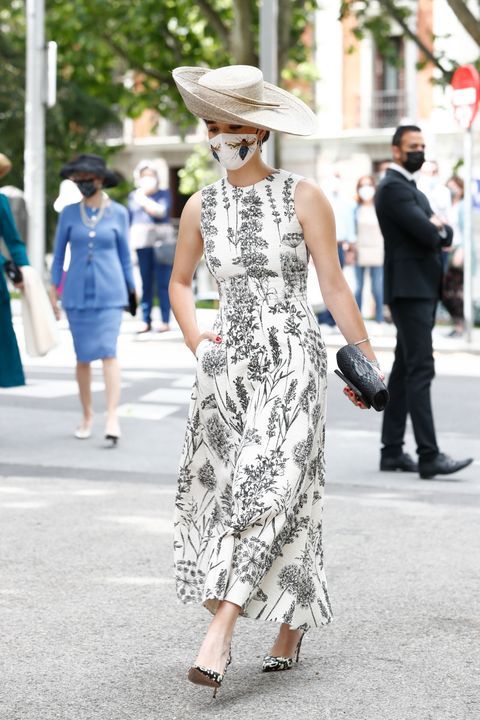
[160, 350]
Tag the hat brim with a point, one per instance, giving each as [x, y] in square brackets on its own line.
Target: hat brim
[291, 116]
[109, 177]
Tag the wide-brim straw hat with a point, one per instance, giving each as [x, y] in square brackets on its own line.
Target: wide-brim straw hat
[239, 95]
[5, 165]
[89, 163]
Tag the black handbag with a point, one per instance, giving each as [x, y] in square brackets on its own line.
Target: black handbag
[132, 303]
[13, 272]
[361, 376]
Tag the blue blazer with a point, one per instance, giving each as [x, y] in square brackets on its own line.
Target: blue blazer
[107, 254]
[15, 246]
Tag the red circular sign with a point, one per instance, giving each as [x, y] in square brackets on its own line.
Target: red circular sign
[466, 94]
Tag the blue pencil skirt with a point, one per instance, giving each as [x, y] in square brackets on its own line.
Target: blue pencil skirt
[95, 332]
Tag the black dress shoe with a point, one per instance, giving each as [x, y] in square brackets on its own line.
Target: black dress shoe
[401, 463]
[442, 465]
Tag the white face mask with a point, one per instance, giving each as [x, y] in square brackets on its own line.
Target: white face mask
[148, 184]
[233, 151]
[366, 192]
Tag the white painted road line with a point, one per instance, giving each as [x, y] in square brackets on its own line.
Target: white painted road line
[180, 396]
[49, 389]
[138, 411]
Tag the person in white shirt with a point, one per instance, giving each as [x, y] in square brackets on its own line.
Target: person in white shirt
[437, 192]
[342, 208]
[368, 245]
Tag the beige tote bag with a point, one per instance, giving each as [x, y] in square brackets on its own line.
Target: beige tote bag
[39, 324]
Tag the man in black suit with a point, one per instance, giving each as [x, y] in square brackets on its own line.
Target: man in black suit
[414, 238]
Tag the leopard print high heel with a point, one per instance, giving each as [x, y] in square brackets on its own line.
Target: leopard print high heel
[200, 675]
[272, 663]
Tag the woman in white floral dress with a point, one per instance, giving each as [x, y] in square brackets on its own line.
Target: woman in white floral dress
[248, 524]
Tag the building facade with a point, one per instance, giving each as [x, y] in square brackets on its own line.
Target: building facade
[359, 97]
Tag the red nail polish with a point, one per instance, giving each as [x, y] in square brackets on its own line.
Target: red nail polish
[218, 339]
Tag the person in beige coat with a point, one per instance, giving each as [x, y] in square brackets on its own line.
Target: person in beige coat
[368, 245]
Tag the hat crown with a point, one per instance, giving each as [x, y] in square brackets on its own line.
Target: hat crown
[91, 159]
[90, 163]
[244, 80]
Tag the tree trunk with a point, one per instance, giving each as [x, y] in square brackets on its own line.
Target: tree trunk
[241, 38]
[470, 23]
[285, 10]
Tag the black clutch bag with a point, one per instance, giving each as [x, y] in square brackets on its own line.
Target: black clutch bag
[13, 272]
[360, 375]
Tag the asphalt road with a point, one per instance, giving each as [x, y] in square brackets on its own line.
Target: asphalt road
[91, 628]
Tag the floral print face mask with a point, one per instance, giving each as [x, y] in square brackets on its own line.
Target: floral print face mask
[233, 151]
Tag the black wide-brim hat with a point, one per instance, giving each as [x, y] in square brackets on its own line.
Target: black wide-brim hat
[89, 163]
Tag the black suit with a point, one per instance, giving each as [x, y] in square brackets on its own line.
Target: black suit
[413, 278]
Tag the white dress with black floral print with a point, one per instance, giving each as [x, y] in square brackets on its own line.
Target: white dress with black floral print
[248, 520]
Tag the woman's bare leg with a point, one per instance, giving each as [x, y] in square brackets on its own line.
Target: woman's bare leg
[84, 378]
[111, 375]
[286, 642]
[214, 650]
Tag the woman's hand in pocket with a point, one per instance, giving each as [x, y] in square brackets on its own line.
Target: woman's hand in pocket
[208, 335]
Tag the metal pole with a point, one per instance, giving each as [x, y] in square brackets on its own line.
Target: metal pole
[467, 236]
[411, 72]
[269, 57]
[35, 132]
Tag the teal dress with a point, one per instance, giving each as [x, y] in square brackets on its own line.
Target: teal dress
[11, 371]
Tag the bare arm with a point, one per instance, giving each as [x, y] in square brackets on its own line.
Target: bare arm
[187, 256]
[155, 208]
[316, 217]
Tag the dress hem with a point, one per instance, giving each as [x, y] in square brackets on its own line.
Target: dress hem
[211, 604]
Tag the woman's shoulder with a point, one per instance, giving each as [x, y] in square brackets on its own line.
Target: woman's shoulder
[310, 200]
[118, 209]
[72, 207]
[309, 189]
[70, 211]
[193, 208]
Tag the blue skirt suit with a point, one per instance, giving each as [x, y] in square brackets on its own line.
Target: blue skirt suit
[11, 371]
[98, 279]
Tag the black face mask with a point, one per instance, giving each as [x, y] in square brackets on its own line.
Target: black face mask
[414, 161]
[86, 187]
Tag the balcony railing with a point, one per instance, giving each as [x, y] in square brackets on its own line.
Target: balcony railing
[388, 107]
[113, 132]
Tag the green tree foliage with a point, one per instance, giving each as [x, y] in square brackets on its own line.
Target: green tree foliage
[378, 19]
[129, 48]
[73, 125]
[198, 171]
[115, 60]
